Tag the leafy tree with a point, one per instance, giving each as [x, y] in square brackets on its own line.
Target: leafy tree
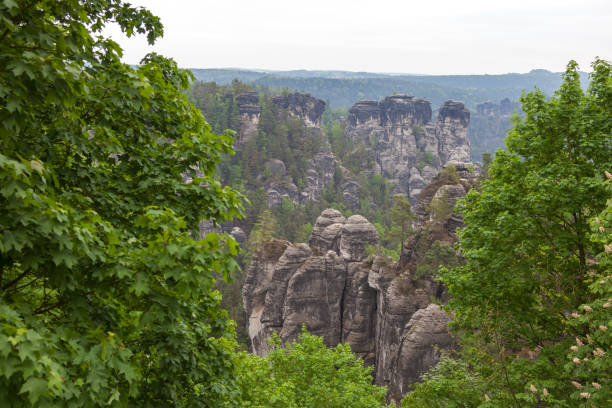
[590, 357]
[441, 208]
[106, 291]
[304, 232]
[402, 217]
[486, 163]
[449, 384]
[450, 175]
[526, 240]
[439, 254]
[264, 230]
[306, 373]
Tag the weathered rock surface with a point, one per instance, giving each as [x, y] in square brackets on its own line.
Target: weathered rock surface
[489, 108]
[408, 147]
[398, 298]
[239, 235]
[359, 314]
[339, 293]
[357, 234]
[303, 106]
[326, 231]
[257, 282]
[277, 190]
[321, 167]
[249, 109]
[451, 131]
[320, 173]
[423, 338]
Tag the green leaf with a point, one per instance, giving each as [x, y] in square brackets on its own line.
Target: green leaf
[35, 388]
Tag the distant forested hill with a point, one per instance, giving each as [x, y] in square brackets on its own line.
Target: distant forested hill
[342, 88]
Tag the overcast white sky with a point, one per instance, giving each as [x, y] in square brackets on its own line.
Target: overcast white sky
[407, 36]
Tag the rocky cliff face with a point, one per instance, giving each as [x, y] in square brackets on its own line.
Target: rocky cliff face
[300, 105]
[408, 147]
[489, 108]
[248, 106]
[340, 293]
[323, 285]
[303, 106]
[321, 167]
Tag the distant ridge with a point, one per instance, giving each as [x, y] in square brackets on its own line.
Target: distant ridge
[343, 88]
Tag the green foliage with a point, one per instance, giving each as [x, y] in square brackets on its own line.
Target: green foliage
[332, 116]
[359, 158]
[590, 357]
[391, 254]
[441, 208]
[306, 373]
[340, 145]
[439, 254]
[450, 384]
[527, 245]
[305, 233]
[487, 132]
[291, 219]
[429, 157]
[264, 230]
[218, 103]
[377, 189]
[106, 294]
[402, 218]
[279, 135]
[450, 175]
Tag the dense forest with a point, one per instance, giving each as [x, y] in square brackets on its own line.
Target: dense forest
[342, 89]
[109, 290]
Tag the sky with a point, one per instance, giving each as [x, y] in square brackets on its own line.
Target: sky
[401, 36]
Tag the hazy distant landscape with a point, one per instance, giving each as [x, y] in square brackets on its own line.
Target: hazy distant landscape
[367, 221]
[341, 89]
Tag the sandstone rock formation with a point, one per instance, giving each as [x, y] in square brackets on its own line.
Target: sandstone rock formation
[489, 108]
[301, 105]
[425, 335]
[340, 293]
[320, 173]
[321, 167]
[249, 109]
[408, 147]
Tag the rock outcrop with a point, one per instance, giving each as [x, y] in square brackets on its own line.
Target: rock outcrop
[300, 105]
[321, 171]
[488, 108]
[303, 106]
[321, 167]
[249, 109]
[408, 147]
[340, 293]
[425, 335]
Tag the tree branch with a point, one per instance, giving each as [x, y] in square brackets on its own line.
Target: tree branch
[17, 279]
